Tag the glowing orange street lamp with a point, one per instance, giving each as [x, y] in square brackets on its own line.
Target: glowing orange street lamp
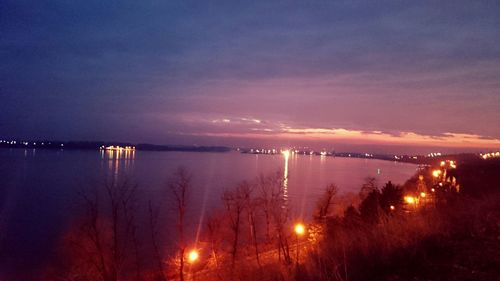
[299, 229]
[410, 199]
[436, 173]
[193, 256]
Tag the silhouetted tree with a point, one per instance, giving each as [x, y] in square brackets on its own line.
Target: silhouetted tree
[369, 185]
[370, 207]
[391, 195]
[324, 204]
[352, 217]
[214, 229]
[179, 186]
[280, 215]
[158, 256]
[251, 205]
[234, 202]
[270, 188]
[100, 247]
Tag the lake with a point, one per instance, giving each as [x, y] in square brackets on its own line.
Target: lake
[39, 188]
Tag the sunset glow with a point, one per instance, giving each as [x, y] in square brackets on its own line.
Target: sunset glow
[192, 80]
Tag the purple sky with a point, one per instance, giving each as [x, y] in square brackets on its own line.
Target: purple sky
[336, 74]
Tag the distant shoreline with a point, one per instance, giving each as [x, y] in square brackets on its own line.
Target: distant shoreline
[74, 145]
[56, 145]
[98, 145]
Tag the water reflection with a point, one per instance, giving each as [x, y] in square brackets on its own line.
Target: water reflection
[322, 158]
[116, 159]
[286, 155]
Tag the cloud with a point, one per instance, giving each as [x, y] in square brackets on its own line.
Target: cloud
[279, 130]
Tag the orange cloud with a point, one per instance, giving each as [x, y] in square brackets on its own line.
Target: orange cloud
[409, 138]
[446, 139]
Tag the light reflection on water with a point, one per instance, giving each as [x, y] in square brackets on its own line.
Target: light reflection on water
[117, 158]
[285, 177]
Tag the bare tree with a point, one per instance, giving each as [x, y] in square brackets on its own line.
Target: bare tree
[100, 246]
[234, 203]
[92, 230]
[270, 188]
[369, 185]
[214, 226]
[120, 200]
[179, 185]
[280, 215]
[251, 205]
[153, 225]
[276, 212]
[325, 202]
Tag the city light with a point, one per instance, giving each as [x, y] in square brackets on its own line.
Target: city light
[434, 154]
[286, 153]
[193, 256]
[117, 148]
[490, 155]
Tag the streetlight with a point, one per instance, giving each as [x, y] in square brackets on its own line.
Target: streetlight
[436, 173]
[410, 199]
[299, 229]
[193, 256]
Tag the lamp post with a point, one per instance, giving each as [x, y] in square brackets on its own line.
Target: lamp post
[299, 231]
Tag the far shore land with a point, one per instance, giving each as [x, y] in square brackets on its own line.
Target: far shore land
[99, 145]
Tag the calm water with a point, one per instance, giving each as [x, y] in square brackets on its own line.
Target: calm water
[38, 189]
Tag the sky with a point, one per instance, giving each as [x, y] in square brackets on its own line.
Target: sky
[338, 74]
